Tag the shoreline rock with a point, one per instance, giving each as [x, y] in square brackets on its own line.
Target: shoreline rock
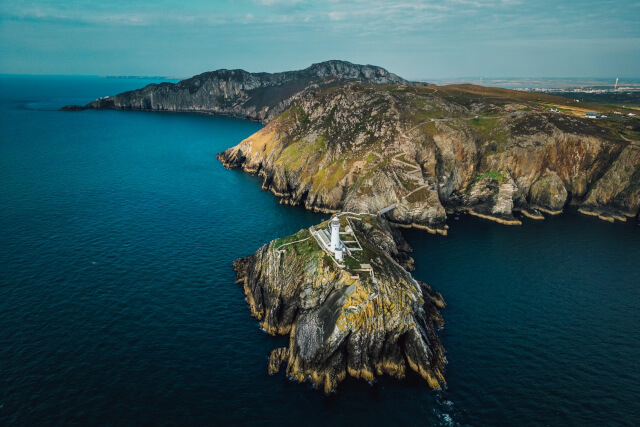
[495, 219]
[531, 215]
[548, 211]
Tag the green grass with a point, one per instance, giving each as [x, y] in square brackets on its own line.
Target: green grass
[296, 112]
[423, 103]
[419, 116]
[418, 196]
[371, 157]
[307, 248]
[396, 89]
[302, 234]
[351, 263]
[491, 129]
[495, 175]
[377, 168]
[298, 152]
[331, 174]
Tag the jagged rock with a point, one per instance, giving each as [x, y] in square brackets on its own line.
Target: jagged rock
[548, 193]
[616, 195]
[364, 319]
[276, 358]
[492, 198]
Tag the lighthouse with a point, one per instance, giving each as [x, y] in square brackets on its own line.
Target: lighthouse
[335, 234]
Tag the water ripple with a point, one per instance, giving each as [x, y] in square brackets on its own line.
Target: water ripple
[118, 303]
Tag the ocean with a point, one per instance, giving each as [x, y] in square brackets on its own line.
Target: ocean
[118, 303]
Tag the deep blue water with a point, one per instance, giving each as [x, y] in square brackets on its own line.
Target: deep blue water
[118, 303]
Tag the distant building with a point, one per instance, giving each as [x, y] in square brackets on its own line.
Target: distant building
[593, 115]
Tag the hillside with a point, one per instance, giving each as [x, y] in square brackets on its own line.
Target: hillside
[238, 93]
[432, 150]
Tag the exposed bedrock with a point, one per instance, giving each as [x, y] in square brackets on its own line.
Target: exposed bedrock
[430, 150]
[366, 318]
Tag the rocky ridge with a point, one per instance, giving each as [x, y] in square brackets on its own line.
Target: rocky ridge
[238, 93]
[366, 318]
[432, 150]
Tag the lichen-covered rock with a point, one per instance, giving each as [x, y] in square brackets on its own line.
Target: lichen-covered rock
[548, 193]
[276, 358]
[366, 318]
[492, 198]
[617, 194]
[429, 150]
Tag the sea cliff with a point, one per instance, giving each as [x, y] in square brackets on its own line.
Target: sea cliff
[239, 93]
[364, 317]
[434, 150]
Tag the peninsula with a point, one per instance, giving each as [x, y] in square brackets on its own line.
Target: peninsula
[342, 293]
[433, 150]
[239, 93]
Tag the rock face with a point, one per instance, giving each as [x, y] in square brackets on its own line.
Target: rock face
[432, 150]
[617, 193]
[238, 93]
[365, 318]
[548, 193]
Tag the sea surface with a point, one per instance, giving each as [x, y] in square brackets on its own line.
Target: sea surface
[118, 304]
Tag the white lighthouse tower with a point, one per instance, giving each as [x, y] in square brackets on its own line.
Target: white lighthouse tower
[335, 234]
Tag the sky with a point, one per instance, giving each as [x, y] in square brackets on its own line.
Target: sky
[415, 39]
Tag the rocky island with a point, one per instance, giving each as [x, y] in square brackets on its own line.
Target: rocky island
[343, 295]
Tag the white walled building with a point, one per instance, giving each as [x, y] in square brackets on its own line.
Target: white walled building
[330, 239]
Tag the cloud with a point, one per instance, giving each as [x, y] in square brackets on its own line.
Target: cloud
[278, 2]
[443, 20]
[54, 15]
[337, 16]
[114, 18]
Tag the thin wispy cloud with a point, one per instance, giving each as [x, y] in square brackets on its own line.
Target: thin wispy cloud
[460, 32]
[393, 12]
[278, 2]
